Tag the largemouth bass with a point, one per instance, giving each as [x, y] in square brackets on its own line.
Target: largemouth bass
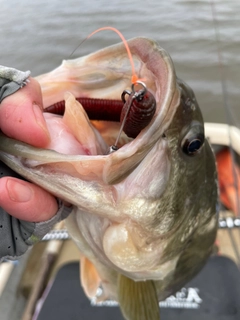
[145, 215]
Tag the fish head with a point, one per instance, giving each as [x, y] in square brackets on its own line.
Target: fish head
[147, 210]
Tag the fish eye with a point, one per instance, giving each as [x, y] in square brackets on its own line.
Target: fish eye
[191, 145]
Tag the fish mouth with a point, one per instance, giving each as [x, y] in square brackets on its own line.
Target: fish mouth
[98, 80]
[105, 75]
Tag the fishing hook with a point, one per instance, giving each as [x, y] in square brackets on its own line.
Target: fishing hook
[138, 111]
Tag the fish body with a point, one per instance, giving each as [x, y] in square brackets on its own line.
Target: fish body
[147, 211]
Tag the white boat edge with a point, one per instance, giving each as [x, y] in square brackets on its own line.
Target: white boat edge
[223, 134]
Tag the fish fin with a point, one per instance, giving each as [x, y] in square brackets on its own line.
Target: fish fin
[138, 300]
[90, 279]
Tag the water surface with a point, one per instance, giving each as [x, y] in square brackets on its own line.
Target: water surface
[38, 35]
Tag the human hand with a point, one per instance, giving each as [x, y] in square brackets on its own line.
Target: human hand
[21, 118]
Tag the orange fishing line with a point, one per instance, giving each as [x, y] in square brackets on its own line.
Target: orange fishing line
[134, 76]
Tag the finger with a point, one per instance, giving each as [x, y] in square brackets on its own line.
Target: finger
[26, 201]
[21, 115]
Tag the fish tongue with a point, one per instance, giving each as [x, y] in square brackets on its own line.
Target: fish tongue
[138, 300]
[79, 124]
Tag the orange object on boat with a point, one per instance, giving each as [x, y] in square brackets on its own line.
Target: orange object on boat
[229, 180]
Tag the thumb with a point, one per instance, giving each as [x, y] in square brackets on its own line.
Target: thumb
[21, 115]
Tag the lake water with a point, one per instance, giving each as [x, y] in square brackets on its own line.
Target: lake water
[38, 35]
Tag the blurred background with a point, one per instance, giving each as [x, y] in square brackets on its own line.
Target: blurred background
[38, 35]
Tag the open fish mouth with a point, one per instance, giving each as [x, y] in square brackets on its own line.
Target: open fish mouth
[98, 81]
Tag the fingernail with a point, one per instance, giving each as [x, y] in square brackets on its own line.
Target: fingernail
[18, 191]
[39, 118]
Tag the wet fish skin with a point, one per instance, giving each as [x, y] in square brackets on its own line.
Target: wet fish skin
[200, 175]
[159, 201]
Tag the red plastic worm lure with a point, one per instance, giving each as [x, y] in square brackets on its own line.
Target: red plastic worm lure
[134, 114]
[137, 112]
[96, 109]
[141, 111]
